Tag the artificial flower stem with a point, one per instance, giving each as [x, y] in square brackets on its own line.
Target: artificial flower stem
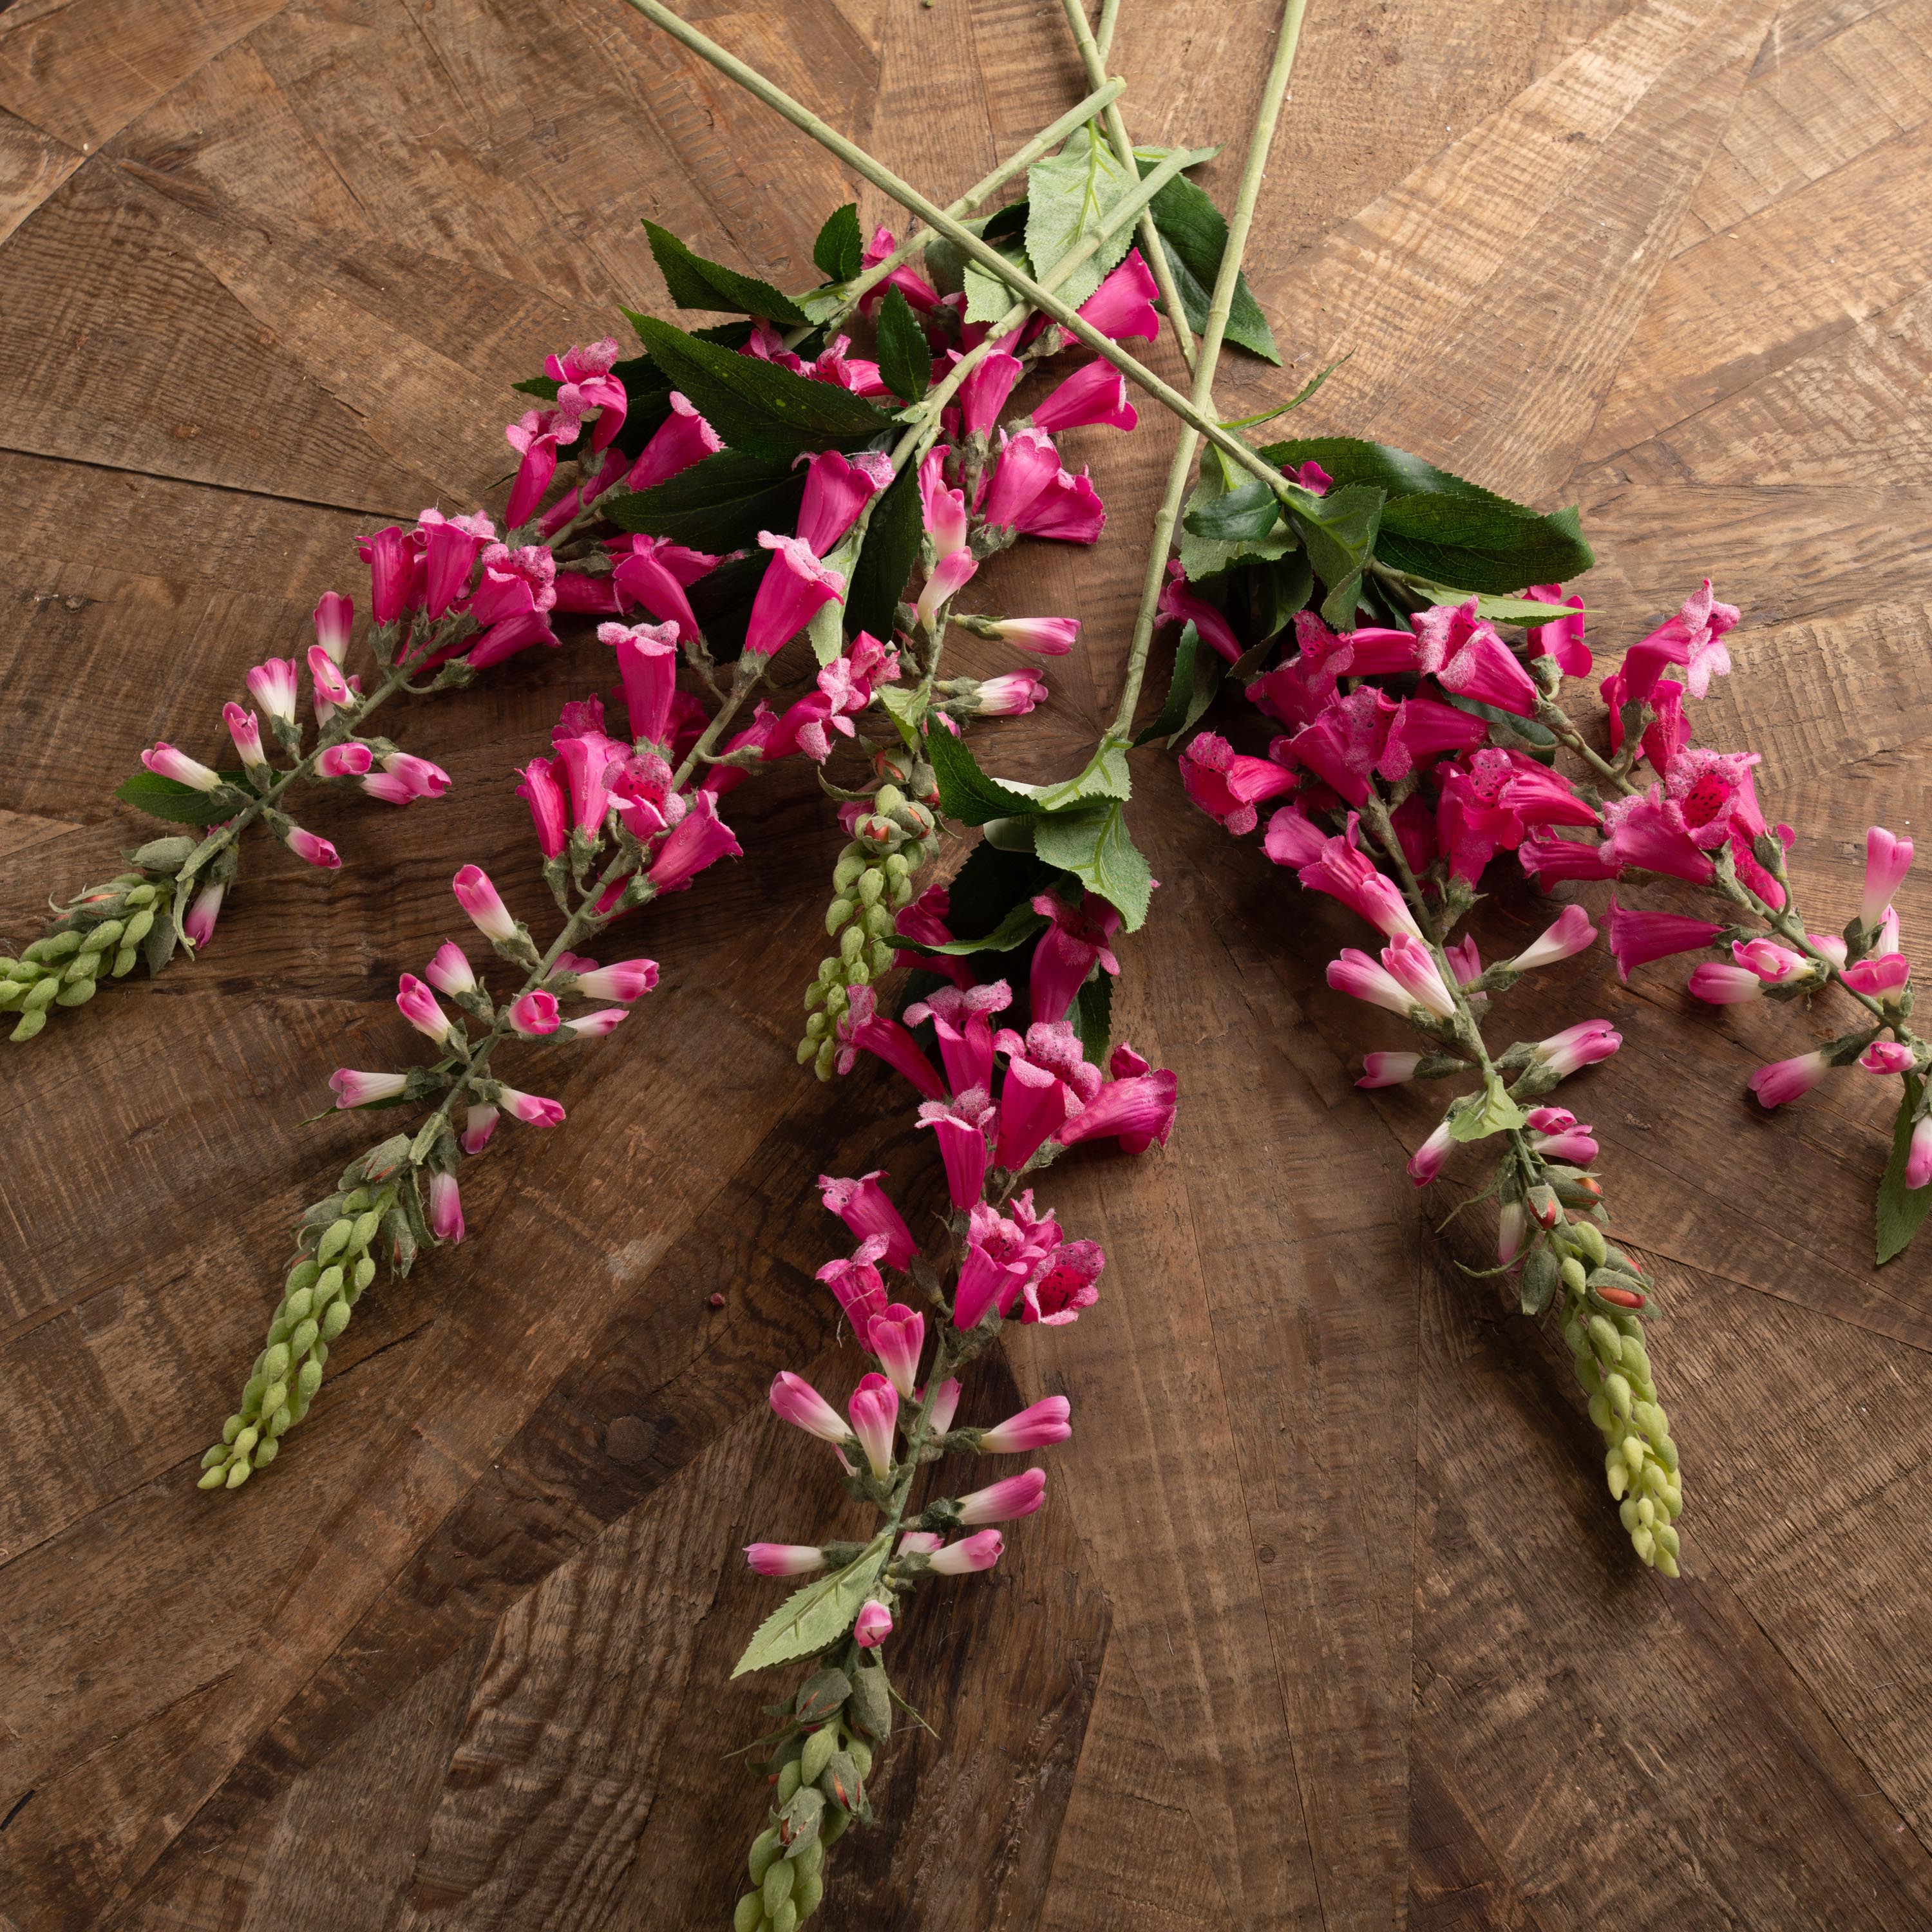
[1103, 34]
[1152, 247]
[1105, 92]
[1022, 284]
[1274, 92]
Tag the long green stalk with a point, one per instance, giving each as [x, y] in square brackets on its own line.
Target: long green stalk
[1274, 92]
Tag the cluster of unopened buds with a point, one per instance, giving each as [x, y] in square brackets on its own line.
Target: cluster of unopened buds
[1002, 1106]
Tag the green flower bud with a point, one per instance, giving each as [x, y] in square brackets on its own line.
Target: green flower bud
[837, 1820]
[765, 1847]
[274, 1397]
[818, 1754]
[365, 1273]
[1616, 1472]
[1619, 1390]
[1631, 1449]
[750, 1914]
[12, 992]
[84, 966]
[76, 994]
[327, 1284]
[308, 1379]
[1572, 1274]
[877, 922]
[295, 1307]
[304, 1334]
[143, 894]
[142, 922]
[810, 1890]
[788, 1782]
[40, 996]
[334, 1239]
[785, 1919]
[836, 998]
[778, 1876]
[1644, 1544]
[275, 1362]
[851, 943]
[30, 1024]
[816, 1027]
[1605, 1340]
[267, 1452]
[828, 1056]
[808, 1858]
[836, 915]
[807, 1050]
[852, 861]
[871, 882]
[859, 973]
[55, 945]
[123, 960]
[215, 1452]
[815, 996]
[107, 933]
[246, 1440]
[1589, 1238]
[214, 1479]
[1600, 1411]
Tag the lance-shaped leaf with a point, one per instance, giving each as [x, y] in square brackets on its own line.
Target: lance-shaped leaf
[818, 1614]
[180, 804]
[840, 249]
[905, 362]
[1069, 196]
[1196, 678]
[718, 505]
[887, 559]
[695, 283]
[1195, 236]
[1019, 926]
[1339, 531]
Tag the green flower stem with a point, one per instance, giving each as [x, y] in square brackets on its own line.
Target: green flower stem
[1152, 247]
[1105, 92]
[1103, 34]
[989, 259]
[1274, 92]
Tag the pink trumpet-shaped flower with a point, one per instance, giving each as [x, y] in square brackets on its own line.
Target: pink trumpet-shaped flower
[1583, 1045]
[334, 615]
[310, 849]
[857, 1287]
[794, 587]
[1918, 1154]
[1560, 1136]
[647, 663]
[1028, 463]
[1039, 1427]
[1049, 637]
[331, 686]
[1123, 305]
[1719, 984]
[699, 839]
[917, 289]
[962, 1019]
[1468, 657]
[446, 1208]
[586, 759]
[165, 761]
[1426, 1163]
[1465, 962]
[950, 573]
[449, 555]
[417, 1004]
[1137, 1110]
[534, 1015]
[784, 1559]
[796, 1401]
[1879, 977]
[1562, 640]
[1888, 1056]
[874, 1411]
[1227, 785]
[245, 728]
[983, 394]
[543, 791]
[896, 1338]
[1033, 1108]
[1068, 510]
[987, 1280]
[961, 1124]
[654, 572]
[1388, 1069]
[862, 1205]
[584, 383]
[1180, 605]
[1410, 962]
[345, 761]
[873, 1625]
[1011, 695]
[391, 570]
[481, 900]
[450, 971]
[1079, 939]
[628, 980]
[1096, 394]
[943, 510]
[862, 1027]
[405, 778]
[1006, 1501]
[1571, 933]
[533, 435]
[683, 439]
[1888, 859]
[945, 1407]
[1345, 872]
[1649, 832]
[198, 925]
[1637, 937]
[272, 685]
[978, 1552]
[1785, 1080]
[837, 489]
[533, 1109]
[354, 1089]
[479, 1122]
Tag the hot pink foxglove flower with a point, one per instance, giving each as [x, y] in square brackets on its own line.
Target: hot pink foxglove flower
[272, 685]
[873, 1625]
[1571, 933]
[1422, 731]
[354, 1089]
[1426, 1163]
[699, 839]
[862, 1027]
[961, 1123]
[857, 1287]
[1888, 859]
[1649, 833]
[445, 1208]
[1070, 1282]
[1006, 1501]
[1562, 640]
[542, 790]
[1227, 785]
[796, 1401]
[654, 572]
[1096, 394]
[1011, 695]
[1038, 1427]
[875, 1410]
[683, 439]
[450, 546]
[837, 489]
[1180, 605]
[198, 925]
[1388, 1069]
[1068, 510]
[1719, 984]
[408, 778]
[245, 729]
[983, 394]
[950, 573]
[795, 586]
[391, 569]
[1637, 938]
[1033, 1105]
[1344, 743]
[533, 1109]
[1028, 463]
[1492, 799]
[944, 510]
[481, 900]
[979, 1552]
[1785, 1080]
[165, 761]
[863, 1206]
[1137, 1110]
[1881, 977]
[1122, 306]
[962, 1018]
[417, 1004]
[1346, 873]
[923, 297]
[1583, 1045]
[332, 688]
[1550, 860]
[533, 435]
[1079, 939]
[647, 663]
[1918, 1154]
[585, 382]
[784, 1559]
[1776, 965]
[987, 1280]
[1468, 656]
[1414, 967]
[1693, 638]
[896, 1337]
[1888, 1056]
[450, 971]
[598, 1025]
[344, 761]
[312, 850]
[586, 759]
[534, 1014]
[335, 616]
[1292, 838]
[1465, 962]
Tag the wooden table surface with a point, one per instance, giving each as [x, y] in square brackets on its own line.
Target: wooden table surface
[1329, 1622]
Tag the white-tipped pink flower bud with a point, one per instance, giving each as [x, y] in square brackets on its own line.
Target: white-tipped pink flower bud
[1583, 1045]
[896, 1338]
[334, 616]
[1011, 695]
[873, 1625]
[445, 1208]
[164, 761]
[1918, 1155]
[353, 1089]
[945, 1406]
[969, 1554]
[479, 1122]
[332, 688]
[272, 686]
[200, 924]
[1005, 1500]
[417, 1004]
[421, 778]
[1572, 934]
[344, 761]
[310, 849]
[480, 899]
[1785, 1080]
[1388, 1069]
[450, 971]
[533, 1109]
[246, 730]
[629, 979]
[598, 1025]
[1035, 1428]
[796, 1401]
[875, 1410]
[784, 1559]
[1426, 1163]
[534, 1015]
[1888, 859]
[1049, 637]
[1887, 1056]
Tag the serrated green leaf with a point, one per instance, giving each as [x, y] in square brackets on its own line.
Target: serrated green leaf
[906, 705]
[1093, 1016]
[840, 249]
[1018, 926]
[887, 559]
[1196, 678]
[1478, 1115]
[1900, 1208]
[1340, 532]
[1104, 775]
[1238, 517]
[1202, 557]
[759, 408]
[718, 505]
[1093, 845]
[178, 804]
[988, 299]
[818, 1614]
[694, 283]
[905, 361]
[1195, 234]
[1069, 197]
[966, 794]
[1524, 610]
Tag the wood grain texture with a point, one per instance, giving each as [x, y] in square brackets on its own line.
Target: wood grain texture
[1327, 1624]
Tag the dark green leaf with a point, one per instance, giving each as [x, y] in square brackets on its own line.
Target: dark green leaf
[1241, 516]
[1195, 234]
[1094, 846]
[1104, 775]
[180, 805]
[721, 601]
[1016, 929]
[1197, 676]
[990, 886]
[905, 362]
[757, 407]
[1900, 1208]
[886, 561]
[840, 249]
[719, 504]
[965, 792]
[1340, 532]
[694, 283]
[1539, 742]
[544, 388]
[1093, 1016]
